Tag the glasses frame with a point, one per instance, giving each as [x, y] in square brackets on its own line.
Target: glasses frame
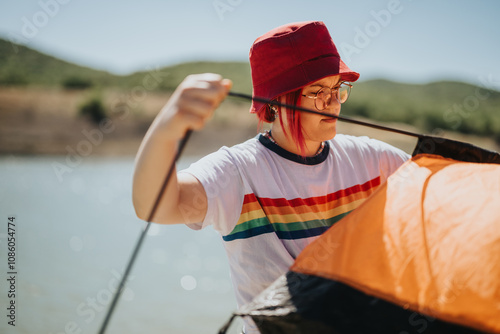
[335, 90]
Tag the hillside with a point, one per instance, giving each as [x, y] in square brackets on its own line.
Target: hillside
[452, 106]
[22, 66]
[42, 98]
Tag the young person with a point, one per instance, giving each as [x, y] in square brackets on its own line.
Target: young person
[274, 194]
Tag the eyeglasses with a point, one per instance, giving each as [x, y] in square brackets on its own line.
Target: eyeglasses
[323, 97]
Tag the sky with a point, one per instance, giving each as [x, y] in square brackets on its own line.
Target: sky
[416, 41]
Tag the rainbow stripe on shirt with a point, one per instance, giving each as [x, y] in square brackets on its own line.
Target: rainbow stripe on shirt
[300, 217]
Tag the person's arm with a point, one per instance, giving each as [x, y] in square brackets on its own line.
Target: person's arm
[189, 107]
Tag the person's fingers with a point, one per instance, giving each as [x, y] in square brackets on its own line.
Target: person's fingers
[193, 103]
[188, 120]
[212, 90]
[198, 107]
[227, 84]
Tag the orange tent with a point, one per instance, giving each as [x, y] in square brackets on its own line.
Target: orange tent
[421, 255]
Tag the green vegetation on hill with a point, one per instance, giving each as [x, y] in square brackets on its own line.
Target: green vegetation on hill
[451, 106]
[22, 66]
[446, 105]
[171, 77]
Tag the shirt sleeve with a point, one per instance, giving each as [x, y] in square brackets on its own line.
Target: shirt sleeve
[390, 158]
[376, 154]
[223, 185]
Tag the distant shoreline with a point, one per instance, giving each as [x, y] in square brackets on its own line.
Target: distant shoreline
[212, 138]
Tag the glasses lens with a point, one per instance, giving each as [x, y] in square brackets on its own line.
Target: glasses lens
[323, 98]
[344, 91]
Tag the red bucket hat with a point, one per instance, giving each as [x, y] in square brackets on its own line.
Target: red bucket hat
[292, 56]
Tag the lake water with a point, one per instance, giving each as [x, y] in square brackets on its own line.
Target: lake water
[75, 232]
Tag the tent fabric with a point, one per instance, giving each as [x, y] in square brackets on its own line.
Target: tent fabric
[431, 242]
[453, 149]
[300, 303]
[421, 255]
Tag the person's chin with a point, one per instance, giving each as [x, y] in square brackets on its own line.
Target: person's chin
[330, 134]
[330, 124]
[333, 134]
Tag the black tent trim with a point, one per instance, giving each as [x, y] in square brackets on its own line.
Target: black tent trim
[300, 303]
[455, 150]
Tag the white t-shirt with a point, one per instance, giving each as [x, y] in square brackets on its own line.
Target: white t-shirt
[268, 203]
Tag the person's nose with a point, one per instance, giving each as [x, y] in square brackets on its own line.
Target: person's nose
[334, 106]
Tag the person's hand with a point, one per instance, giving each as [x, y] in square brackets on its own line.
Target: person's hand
[192, 104]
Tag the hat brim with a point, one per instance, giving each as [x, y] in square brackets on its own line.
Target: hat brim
[301, 76]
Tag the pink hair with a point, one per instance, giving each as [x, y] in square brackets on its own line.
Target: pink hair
[293, 118]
